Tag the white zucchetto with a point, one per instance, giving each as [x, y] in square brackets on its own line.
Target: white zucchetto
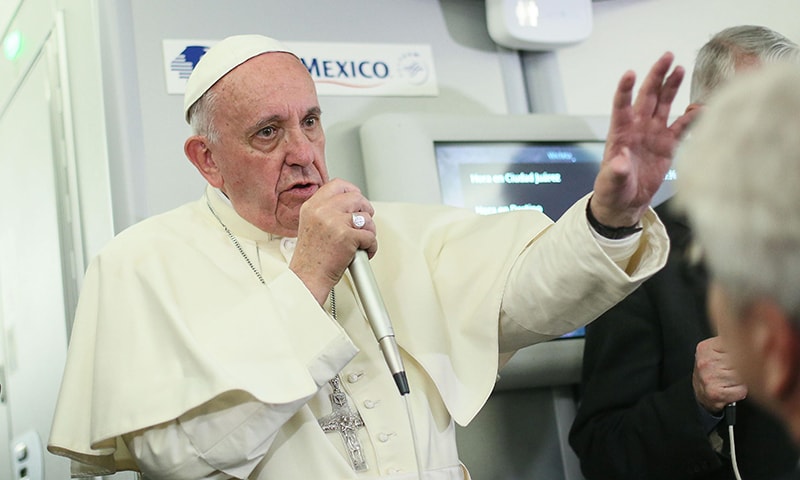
[223, 57]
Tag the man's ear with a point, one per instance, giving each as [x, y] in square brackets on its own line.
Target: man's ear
[693, 106]
[197, 151]
[776, 341]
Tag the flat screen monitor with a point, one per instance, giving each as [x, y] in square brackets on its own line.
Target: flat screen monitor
[496, 177]
[495, 161]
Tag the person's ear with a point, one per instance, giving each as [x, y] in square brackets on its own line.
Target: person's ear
[693, 106]
[197, 151]
[777, 343]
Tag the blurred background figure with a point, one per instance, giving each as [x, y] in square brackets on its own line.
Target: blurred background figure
[738, 186]
[669, 423]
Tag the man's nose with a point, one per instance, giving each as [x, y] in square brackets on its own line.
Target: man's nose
[299, 148]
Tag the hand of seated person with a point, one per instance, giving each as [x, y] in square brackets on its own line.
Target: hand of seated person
[715, 382]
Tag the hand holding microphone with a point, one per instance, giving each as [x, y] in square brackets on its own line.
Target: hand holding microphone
[327, 237]
[714, 380]
[322, 262]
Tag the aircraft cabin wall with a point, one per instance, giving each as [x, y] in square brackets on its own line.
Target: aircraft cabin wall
[470, 73]
[474, 75]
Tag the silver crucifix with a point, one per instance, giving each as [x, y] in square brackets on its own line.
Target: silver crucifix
[347, 422]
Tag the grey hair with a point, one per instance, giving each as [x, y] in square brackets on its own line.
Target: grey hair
[717, 60]
[201, 115]
[739, 183]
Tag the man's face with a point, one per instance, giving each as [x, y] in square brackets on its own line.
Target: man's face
[270, 152]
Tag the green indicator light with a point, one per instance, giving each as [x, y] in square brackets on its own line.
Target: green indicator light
[12, 45]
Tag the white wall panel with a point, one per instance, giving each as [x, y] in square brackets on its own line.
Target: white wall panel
[469, 68]
[632, 34]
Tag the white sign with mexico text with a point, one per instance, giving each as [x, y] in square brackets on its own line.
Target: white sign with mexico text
[338, 69]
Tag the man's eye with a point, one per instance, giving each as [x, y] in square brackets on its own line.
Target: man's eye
[267, 131]
[311, 121]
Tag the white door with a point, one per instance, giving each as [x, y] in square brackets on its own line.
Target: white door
[36, 280]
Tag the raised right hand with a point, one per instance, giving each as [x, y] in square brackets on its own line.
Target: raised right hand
[640, 144]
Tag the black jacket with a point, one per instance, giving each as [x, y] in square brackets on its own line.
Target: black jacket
[638, 418]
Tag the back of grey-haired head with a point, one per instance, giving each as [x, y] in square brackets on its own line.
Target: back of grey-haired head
[737, 178]
[717, 60]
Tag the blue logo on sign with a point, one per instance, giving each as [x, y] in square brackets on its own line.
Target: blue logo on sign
[184, 63]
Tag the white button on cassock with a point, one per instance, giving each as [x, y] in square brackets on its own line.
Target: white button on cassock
[354, 377]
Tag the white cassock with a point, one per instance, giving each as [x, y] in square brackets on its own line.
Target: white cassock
[180, 354]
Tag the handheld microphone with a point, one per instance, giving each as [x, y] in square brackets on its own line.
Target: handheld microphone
[378, 317]
[730, 413]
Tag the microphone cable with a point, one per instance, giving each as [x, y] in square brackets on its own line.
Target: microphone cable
[730, 419]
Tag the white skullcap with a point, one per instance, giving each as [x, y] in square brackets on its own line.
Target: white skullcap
[220, 59]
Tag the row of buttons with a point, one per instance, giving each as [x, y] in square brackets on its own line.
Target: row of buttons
[355, 377]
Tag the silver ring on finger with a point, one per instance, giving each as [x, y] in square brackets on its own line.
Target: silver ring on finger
[359, 221]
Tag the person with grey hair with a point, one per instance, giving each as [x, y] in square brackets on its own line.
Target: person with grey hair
[741, 198]
[670, 422]
[733, 50]
[226, 338]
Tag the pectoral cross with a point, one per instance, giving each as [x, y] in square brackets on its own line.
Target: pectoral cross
[347, 422]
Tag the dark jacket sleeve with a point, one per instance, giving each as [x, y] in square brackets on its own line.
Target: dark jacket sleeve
[638, 417]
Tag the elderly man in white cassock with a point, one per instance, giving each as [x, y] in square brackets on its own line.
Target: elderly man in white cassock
[226, 339]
